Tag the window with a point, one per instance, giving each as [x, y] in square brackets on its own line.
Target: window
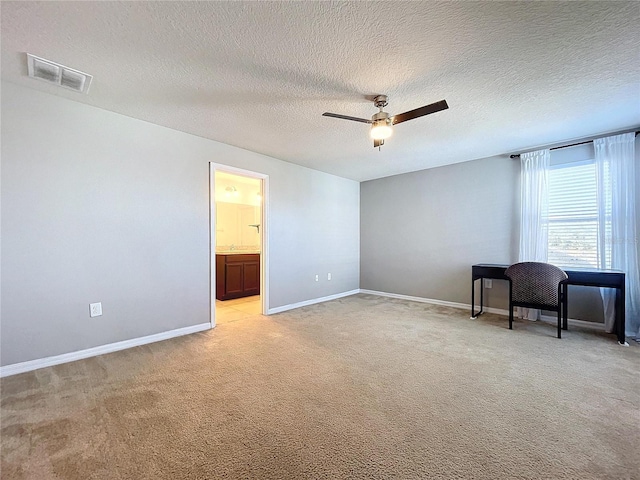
[573, 215]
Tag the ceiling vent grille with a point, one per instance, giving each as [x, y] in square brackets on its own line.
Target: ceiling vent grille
[57, 74]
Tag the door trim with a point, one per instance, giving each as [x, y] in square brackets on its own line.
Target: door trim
[264, 235]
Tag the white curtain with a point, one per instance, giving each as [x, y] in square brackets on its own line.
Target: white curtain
[617, 234]
[534, 196]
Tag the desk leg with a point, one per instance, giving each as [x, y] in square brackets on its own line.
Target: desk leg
[473, 297]
[620, 316]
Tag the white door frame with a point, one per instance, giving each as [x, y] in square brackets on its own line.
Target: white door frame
[264, 236]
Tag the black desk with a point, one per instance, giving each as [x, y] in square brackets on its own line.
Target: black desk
[586, 277]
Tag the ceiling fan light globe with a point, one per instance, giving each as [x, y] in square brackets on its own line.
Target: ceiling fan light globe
[381, 131]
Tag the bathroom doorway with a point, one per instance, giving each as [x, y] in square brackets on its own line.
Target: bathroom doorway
[238, 243]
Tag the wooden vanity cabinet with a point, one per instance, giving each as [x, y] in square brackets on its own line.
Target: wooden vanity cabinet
[237, 275]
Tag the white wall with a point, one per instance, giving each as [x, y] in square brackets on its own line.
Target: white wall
[97, 206]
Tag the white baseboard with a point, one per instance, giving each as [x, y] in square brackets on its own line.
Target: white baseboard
[291, 306]
[496, 311]
[416, 299]
[573, 321]
[433, 301]
[30, 365]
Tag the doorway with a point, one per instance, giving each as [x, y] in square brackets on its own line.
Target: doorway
[238, 243]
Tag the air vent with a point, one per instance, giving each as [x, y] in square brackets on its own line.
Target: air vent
[57, 74]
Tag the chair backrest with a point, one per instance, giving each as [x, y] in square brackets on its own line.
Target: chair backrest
[535, 282]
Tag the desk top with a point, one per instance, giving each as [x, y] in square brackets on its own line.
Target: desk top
[566, 269]
[590, 277]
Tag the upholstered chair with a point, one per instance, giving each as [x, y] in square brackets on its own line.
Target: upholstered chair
[537, 285]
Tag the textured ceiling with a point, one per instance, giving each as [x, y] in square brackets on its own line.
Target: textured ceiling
[259, 75]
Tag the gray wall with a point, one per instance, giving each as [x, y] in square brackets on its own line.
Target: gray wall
[422, 231]
[99, 207]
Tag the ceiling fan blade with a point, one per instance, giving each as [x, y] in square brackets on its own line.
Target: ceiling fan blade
[346, 117]
[419, 112]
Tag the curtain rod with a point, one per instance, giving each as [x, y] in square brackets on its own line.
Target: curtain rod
[517, 155]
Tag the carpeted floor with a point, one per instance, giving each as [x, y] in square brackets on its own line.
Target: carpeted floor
[363, 387]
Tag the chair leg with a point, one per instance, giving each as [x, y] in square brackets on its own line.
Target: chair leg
[510, 316]
[560, 321]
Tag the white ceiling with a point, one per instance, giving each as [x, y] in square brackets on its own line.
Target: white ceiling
[259, 75]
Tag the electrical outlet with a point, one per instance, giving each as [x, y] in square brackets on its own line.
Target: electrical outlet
[317, 278]
[95, 309]
[488, 283]
[328, 276]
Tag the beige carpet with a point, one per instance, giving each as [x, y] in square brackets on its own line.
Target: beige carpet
[362, 387]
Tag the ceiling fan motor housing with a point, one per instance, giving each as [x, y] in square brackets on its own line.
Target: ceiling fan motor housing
[381, 117]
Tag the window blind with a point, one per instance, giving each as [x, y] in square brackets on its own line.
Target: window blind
[573, 215]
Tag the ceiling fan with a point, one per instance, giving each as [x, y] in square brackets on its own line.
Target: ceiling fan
[381, 122]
